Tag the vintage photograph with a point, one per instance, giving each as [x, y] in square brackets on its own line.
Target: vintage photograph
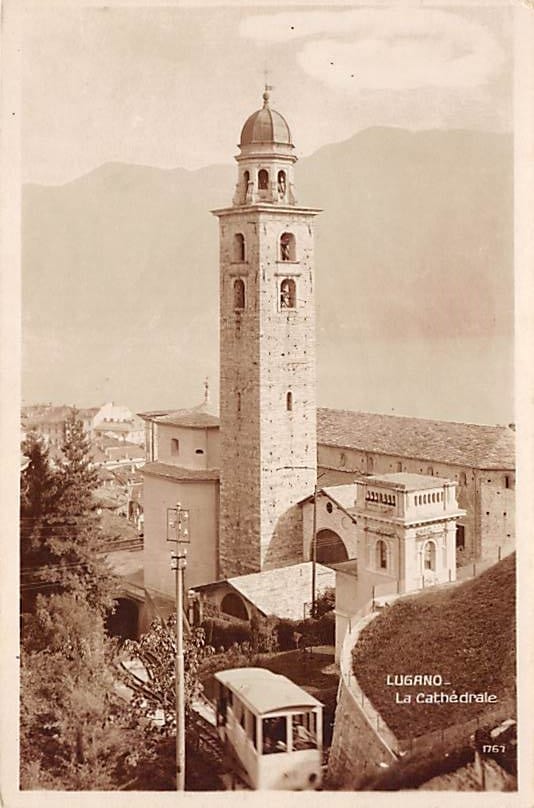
[267, 429]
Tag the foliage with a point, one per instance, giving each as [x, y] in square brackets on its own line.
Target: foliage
[469, 639]
[60, 531]
[325, 602]
[267, 635]
[75, 731]
[225, 633]
[414, 771]
[154, 687]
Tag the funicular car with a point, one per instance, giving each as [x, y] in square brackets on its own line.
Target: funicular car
[271, 727]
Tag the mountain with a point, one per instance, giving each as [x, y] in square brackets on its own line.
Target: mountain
[120, 266]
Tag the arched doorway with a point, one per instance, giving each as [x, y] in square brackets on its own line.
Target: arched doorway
[330, 548]
[123, 622]
[234, 606]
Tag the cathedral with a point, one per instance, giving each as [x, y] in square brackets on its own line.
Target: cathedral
[248, 476]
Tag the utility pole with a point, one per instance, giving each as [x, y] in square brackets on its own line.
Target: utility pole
[314, 552]
[178, 531]
[314, 546]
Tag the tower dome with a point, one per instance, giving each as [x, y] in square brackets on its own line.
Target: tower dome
[265, 126]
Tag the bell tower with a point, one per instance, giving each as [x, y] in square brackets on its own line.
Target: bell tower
[267, 354]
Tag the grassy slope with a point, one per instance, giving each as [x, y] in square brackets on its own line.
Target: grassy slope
[466, 634]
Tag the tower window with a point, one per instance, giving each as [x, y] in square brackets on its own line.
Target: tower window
[430, 555]
[289, 401]
[287, 247]
[288, 294]
[381, 555]
[246, 180]
[239, 247]
[238, 402]
[263, 179]
[175, 447]
[281, 184]
[239, 294]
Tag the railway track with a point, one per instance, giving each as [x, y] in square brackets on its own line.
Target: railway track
[224, 764]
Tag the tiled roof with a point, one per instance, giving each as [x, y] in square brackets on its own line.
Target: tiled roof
[177, 473]
[196, 417]
[473, 445]
[283, 591]
[344, 495]
[191, 418]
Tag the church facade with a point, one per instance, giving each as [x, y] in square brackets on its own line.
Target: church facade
[248, 477]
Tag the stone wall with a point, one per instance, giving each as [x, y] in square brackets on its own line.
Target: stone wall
[484, 495]
[268, 449]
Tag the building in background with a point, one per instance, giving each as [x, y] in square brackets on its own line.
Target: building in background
[479, 458]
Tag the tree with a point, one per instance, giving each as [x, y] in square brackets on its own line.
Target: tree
[61, 537]
[76, 732]
[148, 669]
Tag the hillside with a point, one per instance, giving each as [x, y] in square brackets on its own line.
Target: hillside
[465, 633]
[120, 267]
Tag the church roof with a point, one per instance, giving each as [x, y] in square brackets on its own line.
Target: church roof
[197, 417]
[178, 472]
[473, 445]
[265, 126]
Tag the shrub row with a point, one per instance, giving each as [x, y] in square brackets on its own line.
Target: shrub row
[271, 634]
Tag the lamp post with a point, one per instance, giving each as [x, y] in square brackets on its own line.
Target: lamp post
[178, 531]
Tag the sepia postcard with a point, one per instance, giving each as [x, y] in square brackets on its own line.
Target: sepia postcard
[267, 402]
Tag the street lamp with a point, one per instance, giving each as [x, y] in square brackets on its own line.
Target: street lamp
[178, 531]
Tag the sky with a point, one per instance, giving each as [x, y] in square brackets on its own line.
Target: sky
[164, 86]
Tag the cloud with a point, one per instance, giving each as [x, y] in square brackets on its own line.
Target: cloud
[397, 49]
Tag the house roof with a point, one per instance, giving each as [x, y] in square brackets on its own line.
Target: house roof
[473, 445]
[157, 469]
[197, 417]
[344, 495]
[263, 691]
[281, 592]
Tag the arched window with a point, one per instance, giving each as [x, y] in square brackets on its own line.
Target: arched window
[288, 294]
[281, 183]
[263, 179]
[287, 247]
[244, 186]
[430, 555]
[239, 247]
[289, 401]
[381, 555]
[330, 548]
[239, 294]
[234, 606]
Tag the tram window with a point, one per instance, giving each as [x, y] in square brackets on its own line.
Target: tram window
[304, 733]
[274, 735]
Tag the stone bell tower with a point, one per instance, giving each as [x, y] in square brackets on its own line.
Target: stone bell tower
[267, 354]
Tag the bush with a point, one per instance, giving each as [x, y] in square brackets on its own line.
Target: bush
[416, 770]
[223, 634]
[326, 602]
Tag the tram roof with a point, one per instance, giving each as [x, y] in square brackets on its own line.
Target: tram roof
[263, 691]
